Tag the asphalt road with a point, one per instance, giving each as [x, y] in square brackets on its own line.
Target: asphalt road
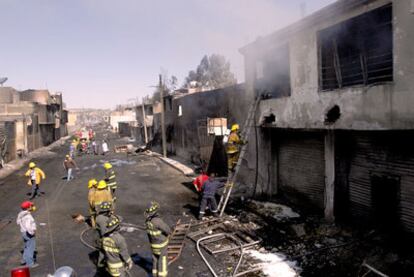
[140, 179]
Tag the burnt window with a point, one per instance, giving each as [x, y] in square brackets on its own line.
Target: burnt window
[358, 51]
[273, 73]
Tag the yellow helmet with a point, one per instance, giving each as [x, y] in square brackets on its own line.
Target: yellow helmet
[235, 127]
[107, 166]
[32, 165]
[102, 185]
[152, 209]
[92, 183]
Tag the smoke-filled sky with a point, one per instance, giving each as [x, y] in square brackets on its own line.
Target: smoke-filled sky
[100, 53]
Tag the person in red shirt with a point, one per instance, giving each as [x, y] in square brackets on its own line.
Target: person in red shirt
[199, 181]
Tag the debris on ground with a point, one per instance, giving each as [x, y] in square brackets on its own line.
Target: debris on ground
[318, 247]
[277, 211]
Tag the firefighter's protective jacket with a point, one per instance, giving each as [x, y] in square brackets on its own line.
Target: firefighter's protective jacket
[110, 178]
[233, 143]
[101, 195]
[158, 232]
[91, 201]
[116, 253]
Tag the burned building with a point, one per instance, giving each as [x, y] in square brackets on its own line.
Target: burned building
[28, 120]
[337, 124]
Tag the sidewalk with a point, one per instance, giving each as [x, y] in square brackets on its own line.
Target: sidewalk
[16, 164]
[187, 171]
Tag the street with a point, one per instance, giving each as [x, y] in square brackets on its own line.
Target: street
[140, 179]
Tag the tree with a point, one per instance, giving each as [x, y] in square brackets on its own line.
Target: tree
[213, 72]
[169, 85]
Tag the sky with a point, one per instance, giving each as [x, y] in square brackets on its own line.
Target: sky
[100, 53]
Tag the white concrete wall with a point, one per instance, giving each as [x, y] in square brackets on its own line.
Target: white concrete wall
[387, 106]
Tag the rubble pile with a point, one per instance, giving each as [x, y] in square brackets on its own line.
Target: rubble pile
[319, 248]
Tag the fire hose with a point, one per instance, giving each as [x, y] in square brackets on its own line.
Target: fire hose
[208, 264]
[88, 228]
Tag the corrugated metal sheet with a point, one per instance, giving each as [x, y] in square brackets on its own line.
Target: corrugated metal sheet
[387, 154]
[302, 166]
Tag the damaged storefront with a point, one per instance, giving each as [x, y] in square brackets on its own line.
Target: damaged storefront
[334, 125]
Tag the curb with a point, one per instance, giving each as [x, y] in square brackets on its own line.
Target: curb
[173, 163]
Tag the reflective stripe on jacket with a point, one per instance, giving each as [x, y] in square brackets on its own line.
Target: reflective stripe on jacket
[110, 178]
[158, 232]
[116, 253]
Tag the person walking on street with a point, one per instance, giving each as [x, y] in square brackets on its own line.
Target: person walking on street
[110, 178]
[95, 147]
[69, 164]
[28, 230]
[105, 148]
[118, 260]
[209, 190]
[158, 234]
[36, 175]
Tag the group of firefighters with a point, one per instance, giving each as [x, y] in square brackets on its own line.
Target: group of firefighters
[113, 250]
[114, 257]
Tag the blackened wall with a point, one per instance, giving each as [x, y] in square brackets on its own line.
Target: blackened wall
[375, 170]
[228, 102]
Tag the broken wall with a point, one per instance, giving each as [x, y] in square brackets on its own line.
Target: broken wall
[187, 110]
[373, 107]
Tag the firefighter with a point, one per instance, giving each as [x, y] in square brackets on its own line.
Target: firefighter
[110, 178]
[91, 199]
[102, 194]
[103, 212]
[158, 234]
[118, 260]
[233, 147]
[36, 175]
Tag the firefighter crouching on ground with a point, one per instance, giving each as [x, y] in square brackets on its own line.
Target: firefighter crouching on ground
[103, 214]
[233, 148]
[91, 200]
[118, 260]
[110, 178]
[36, 175]
[209, 191]
[158, 234]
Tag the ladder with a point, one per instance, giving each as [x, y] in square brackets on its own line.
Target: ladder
[248, 124]
[176, 243]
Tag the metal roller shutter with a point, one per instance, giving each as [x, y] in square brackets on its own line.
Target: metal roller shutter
[378, 162]
[302, 166]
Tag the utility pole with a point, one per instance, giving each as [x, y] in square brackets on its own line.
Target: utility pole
[164, 138]
[144, 121]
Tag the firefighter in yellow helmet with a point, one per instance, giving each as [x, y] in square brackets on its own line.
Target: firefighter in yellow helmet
[118, 260]
[36, 175]
[158, 234]
[233, 147]
[91, 200]
[102, 194]
[110, 177]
